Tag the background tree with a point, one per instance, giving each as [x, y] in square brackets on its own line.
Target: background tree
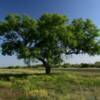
[47, 38]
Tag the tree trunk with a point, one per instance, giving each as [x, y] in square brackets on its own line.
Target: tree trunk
[46, 65]
[47, 68]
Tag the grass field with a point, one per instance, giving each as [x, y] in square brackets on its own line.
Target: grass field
[29, 84]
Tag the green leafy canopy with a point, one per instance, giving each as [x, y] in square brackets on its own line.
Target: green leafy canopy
[48, 37]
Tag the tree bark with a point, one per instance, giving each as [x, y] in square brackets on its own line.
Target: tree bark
[47, 68]
[46, 65]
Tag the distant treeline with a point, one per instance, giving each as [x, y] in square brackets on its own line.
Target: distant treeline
[82, 65]
[66, 65]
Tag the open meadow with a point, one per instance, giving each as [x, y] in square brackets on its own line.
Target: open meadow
[33, 84]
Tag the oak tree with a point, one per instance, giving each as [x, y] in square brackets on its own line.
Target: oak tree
[47, 38]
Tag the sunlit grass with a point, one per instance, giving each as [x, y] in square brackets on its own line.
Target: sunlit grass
[35, 85]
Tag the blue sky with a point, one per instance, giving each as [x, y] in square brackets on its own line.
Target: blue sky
[35, 8]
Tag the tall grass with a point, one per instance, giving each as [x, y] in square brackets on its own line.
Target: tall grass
[29, 85]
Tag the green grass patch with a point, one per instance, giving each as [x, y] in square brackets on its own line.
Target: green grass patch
[26, 84]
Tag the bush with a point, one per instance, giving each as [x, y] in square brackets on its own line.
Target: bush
[83, 65]
[67, 65]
